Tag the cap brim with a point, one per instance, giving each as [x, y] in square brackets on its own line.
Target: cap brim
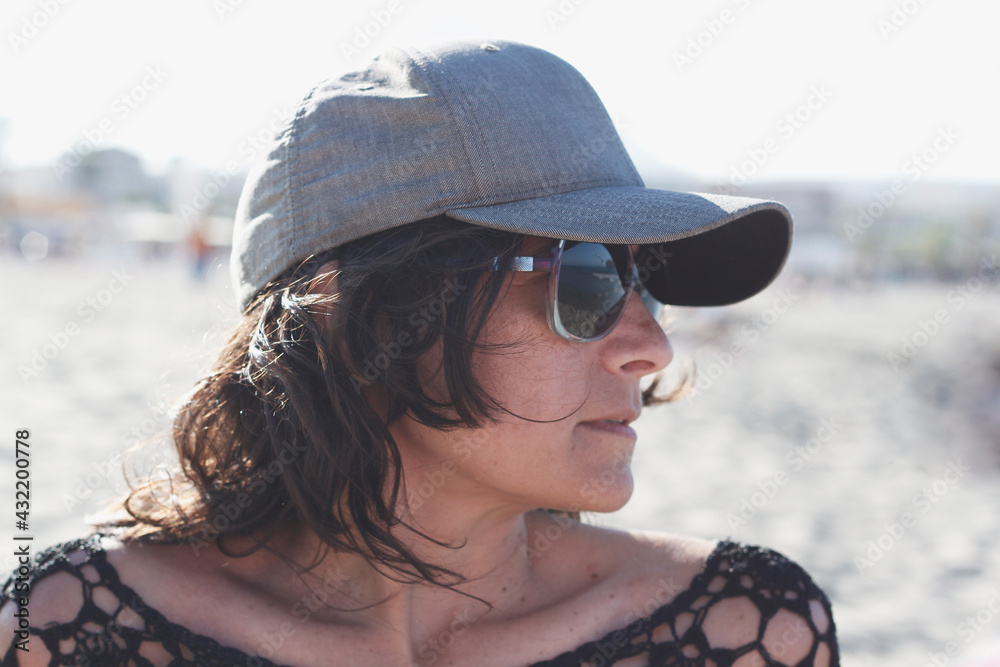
[712, 250]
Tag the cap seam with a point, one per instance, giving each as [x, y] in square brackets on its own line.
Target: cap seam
[478, 128]
[292, 155]
[423, 66]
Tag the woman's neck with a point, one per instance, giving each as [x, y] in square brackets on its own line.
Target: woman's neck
[491, 553]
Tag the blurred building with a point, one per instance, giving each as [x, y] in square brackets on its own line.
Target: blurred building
[887, 231]
[35, 200]
[845, 231]
[115, 176]
[105, 202]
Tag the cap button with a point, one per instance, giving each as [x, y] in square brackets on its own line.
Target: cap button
[490, 47]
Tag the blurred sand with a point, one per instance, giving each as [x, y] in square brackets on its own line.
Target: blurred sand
[888, 434]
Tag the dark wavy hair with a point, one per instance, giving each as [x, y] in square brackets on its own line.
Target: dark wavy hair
[280, 431]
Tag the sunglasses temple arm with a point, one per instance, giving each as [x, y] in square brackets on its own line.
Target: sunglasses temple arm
[527, 264]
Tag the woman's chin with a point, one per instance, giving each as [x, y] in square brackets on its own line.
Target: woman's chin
[608, 497]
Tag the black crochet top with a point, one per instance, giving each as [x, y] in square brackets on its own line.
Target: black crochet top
[670, 635]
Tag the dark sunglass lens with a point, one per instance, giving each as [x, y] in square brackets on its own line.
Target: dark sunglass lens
[593, 283]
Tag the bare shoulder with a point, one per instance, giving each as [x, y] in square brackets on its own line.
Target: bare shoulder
[669, 560]
[53, 588]
[740, 598]
[109, 580]
[750, 598]
[655, 568]
[744, 589]
[631, 550]
[183, 574]
[643, 566]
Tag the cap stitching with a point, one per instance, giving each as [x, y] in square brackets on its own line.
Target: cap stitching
[423, 66]
[478, 128]
[292, 155]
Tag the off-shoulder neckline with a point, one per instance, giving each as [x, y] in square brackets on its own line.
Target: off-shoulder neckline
[97, 555]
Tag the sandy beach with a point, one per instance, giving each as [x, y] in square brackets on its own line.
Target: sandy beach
[856, 429]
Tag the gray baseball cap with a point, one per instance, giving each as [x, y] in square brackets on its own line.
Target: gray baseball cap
[500, 135]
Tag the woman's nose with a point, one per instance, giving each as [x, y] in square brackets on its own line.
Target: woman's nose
[638, 345]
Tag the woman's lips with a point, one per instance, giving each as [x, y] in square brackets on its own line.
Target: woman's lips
[612, 427]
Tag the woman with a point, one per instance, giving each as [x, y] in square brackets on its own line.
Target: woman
[451, 277]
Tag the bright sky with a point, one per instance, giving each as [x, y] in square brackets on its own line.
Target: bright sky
[884, 77]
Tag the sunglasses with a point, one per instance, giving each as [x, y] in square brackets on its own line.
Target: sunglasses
[589, 287]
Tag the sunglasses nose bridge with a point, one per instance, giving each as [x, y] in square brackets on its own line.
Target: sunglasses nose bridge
[637, 285]
[636, 278]
[654, 307]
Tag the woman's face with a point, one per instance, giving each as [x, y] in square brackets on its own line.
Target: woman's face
[579, 458]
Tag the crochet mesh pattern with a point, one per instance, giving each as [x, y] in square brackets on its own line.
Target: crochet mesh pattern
[115, 627]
